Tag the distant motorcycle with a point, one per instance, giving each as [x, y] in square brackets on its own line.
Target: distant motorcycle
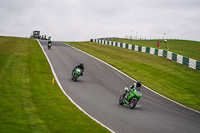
[49, 45]
[130, 98]
[76, 74]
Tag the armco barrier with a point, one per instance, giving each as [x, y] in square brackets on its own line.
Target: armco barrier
[159, 52]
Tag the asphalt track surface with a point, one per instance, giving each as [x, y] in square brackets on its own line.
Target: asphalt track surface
[98, 90]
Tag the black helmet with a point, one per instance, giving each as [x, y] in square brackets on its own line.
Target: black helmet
[81, 64]
[138, 84]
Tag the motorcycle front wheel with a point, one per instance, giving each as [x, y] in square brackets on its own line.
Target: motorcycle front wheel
[75, 78]
[133, 103]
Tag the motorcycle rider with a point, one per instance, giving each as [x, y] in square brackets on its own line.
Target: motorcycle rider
[81, 66]
[49, 42]
[136, 85]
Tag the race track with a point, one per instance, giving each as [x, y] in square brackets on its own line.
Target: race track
[98, 91]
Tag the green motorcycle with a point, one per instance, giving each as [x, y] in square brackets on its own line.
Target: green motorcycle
[76, 74]
[130, 98]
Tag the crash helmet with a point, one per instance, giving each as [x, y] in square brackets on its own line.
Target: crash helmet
[82, 64]
[138, 84]
[126, 89]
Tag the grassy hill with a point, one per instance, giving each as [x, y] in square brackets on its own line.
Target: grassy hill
[29, 102]
[166, 77]
[189, 49]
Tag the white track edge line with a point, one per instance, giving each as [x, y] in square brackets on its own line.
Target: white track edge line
[55, 76]
[134, 80]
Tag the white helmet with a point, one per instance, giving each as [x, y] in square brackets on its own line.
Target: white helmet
[126, 89]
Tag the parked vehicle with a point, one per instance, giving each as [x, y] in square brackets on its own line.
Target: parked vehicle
[35, 34]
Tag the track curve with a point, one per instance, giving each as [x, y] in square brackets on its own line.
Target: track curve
[97, 92]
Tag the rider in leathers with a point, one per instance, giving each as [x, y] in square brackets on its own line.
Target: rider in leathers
[81, 66]
[137, 86]
[49, 42]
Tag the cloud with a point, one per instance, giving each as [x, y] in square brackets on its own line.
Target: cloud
[81, 20]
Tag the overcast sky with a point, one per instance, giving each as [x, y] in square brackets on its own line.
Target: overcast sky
[82, 20]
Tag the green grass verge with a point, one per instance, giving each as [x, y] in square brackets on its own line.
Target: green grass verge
[166, 77]
[189, 49]
[29, 102]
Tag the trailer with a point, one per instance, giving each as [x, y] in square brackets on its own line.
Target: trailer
[35, 34]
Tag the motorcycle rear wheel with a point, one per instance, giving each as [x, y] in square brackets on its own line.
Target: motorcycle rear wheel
[121, 100]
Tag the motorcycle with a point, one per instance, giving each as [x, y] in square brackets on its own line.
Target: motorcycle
[76, 74]
[130, 98]
[49, 45]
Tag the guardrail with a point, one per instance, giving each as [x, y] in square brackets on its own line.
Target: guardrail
[195, 64]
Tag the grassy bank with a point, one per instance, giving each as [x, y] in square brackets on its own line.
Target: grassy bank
[168, 78]
[29, 102]
[189, 49]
